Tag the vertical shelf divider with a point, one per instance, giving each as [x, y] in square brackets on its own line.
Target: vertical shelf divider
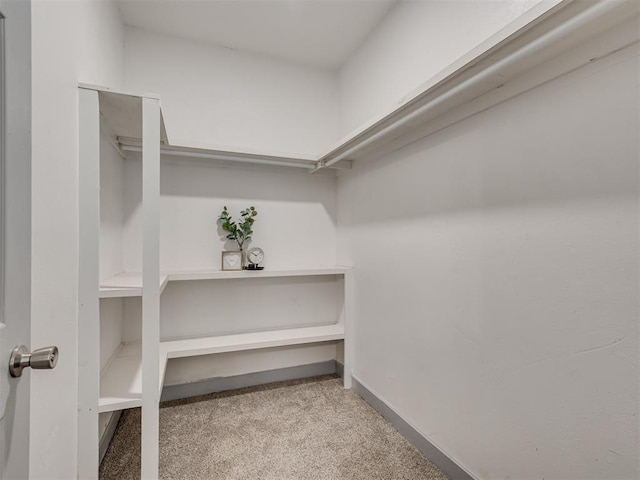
[150, 286]
[347, 322]
[88, 282]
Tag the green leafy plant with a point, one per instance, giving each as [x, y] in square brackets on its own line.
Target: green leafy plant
[240, 232]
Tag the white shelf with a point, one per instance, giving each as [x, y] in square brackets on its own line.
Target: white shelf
[251, 341]
[130, 284]
[121, 382]
[225, 154]
[266, 273]
[123, 111]
[126, 285]
[498, 69]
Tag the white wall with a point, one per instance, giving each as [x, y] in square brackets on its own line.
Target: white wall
[496, 273]
[295, 226]
[72, 41]
[203, 308]
[215, 96]
[416, 40]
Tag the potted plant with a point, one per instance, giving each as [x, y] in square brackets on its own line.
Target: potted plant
[240, 232]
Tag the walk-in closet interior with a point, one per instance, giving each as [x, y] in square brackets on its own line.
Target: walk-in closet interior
[447, 198]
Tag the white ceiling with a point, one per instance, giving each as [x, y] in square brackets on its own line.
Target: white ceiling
[321, 33]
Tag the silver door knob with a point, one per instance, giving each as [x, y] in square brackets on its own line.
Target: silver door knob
[43, 358]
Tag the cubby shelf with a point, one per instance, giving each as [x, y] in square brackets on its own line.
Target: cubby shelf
[121, 383]
[121, 380]
[126, 285]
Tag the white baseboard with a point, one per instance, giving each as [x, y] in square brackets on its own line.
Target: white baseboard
[220, 384]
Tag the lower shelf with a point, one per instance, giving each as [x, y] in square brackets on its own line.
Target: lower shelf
[121, 383]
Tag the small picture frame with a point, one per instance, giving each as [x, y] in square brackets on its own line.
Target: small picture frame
[232, 260]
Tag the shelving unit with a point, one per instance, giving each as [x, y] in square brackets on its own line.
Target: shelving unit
[121, 380]
[133, 376]
[121, 383]
[104, 112]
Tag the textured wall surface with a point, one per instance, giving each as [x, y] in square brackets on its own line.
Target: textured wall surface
[496, 280]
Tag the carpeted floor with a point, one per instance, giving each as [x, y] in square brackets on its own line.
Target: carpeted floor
[300, 430]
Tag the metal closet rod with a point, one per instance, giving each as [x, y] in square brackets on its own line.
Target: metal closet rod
[307, 164]
[538, 44]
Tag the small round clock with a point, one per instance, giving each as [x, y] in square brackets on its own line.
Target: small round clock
[255, 256]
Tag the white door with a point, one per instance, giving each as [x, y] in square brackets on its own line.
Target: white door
[15, 232]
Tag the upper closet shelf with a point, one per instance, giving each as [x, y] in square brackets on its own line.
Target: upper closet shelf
[123, 112]
[224, 275]
[227, 154]
[130, 284]
[554, 32]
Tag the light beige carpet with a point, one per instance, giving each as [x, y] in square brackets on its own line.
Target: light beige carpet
[300, 430]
